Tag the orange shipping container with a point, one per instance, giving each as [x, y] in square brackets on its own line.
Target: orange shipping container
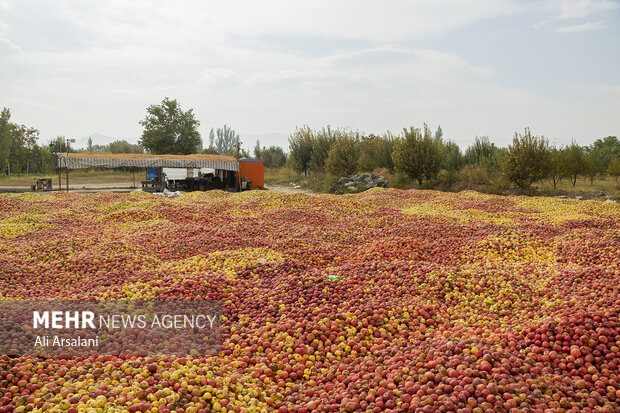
[253, 170]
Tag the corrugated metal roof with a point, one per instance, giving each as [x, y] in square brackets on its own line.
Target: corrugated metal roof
[80, 160]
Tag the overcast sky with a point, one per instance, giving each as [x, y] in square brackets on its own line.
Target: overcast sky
[76, 67]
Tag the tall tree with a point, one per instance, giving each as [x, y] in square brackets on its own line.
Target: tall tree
[572, 162]
[300, 149]
[376, 152]
[417, 154]
[211, 139]
[273, 157]
[258, 150]
[554, 170]
[383, 154]
[606, 149]
[343, 158]
[480, 149]
[595, 163]
[169, 129]
[6, 140]
[527, 159]
[439, 134]
[321, 145]
[451, 157]
[227, 140]
[23, 141]
[614, 167]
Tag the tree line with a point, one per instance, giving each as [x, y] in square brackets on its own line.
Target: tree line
[20, 152]
[427, 158]
[416, 155]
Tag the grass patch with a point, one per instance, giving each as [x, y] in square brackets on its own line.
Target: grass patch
[608, 185]
[317, 181]
[280, 176]
[76, 178]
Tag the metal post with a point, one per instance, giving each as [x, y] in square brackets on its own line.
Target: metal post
[59, 139]
[59, 171]
[133, 171]
[67, 179]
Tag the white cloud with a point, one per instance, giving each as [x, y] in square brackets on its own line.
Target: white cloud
[599, 89]
[258, 66]
[571, 9]
[581, 27]
[352, 19]
[7, 47]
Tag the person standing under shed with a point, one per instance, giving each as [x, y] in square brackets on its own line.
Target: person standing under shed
[164, 180]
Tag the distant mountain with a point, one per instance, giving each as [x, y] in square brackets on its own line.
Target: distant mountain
[99, 139]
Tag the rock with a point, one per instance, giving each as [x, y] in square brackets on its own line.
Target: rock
[358, 183]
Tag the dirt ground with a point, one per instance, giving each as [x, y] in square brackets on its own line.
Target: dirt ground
[74, 187]
[290, 189]
[110, 186]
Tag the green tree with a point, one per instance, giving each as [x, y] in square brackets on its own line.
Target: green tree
[477, 151]
[43, 161]
[321, 145]
[595, 162]
[384, 150]
[376, 152]
[169, 129]
[554, 169]
[89, 147]
[417, 155]
[572, 162]
[451, 157]
[23, 140]
[16, 145]
[527, 159]
[258, 150]
[343, 158]
[273, 157]
[122, 146]
[227, 140]
[211, 139]
[368, 149]
[614, 167]
[6, 139]
[439, 134]
[300, 149]
[60, 144]
[607, 148]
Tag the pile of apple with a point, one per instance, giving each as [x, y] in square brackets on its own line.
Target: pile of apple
[385, 301]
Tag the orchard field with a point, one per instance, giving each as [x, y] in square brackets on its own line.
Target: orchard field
[383, 301]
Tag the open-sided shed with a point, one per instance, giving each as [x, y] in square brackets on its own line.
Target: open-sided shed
[82, 160]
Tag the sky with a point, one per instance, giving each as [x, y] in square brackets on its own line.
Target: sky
[478, 67]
